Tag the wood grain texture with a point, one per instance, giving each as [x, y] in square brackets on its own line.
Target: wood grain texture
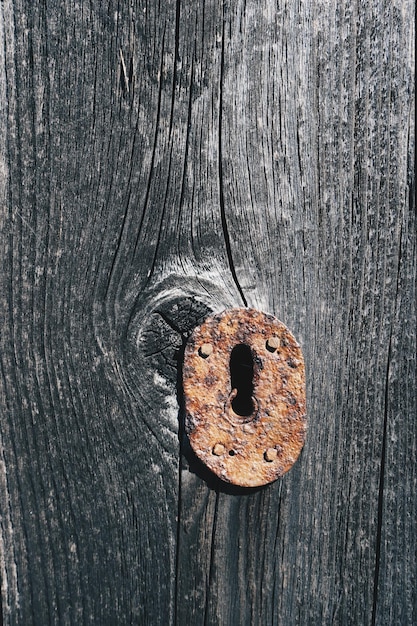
[160, 161]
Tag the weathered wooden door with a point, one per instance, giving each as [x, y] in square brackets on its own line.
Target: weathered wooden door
[159, 161]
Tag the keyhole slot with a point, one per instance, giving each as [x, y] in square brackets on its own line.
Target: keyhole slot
[241, 376]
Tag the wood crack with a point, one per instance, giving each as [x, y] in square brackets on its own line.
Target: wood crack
[226, 234]
[380, 518]
[206, 621]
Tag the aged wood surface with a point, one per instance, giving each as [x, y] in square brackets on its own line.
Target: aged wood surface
[160, 161]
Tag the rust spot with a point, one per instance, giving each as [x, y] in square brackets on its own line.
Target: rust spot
[270, 423]
[210, 380]
[292, 363]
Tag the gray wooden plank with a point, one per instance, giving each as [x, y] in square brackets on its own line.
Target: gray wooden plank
[89, 444]
[164, 160]
[314, 132]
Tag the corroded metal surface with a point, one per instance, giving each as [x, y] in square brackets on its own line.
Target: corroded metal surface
[255, 449]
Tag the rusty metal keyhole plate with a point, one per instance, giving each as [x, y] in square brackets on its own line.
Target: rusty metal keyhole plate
[249, 450]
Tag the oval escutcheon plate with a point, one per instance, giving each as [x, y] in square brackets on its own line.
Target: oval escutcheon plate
[244, 388]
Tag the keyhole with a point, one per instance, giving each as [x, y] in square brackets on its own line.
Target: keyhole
[241, 374]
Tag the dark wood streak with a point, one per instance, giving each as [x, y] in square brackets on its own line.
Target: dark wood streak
[161, 161]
